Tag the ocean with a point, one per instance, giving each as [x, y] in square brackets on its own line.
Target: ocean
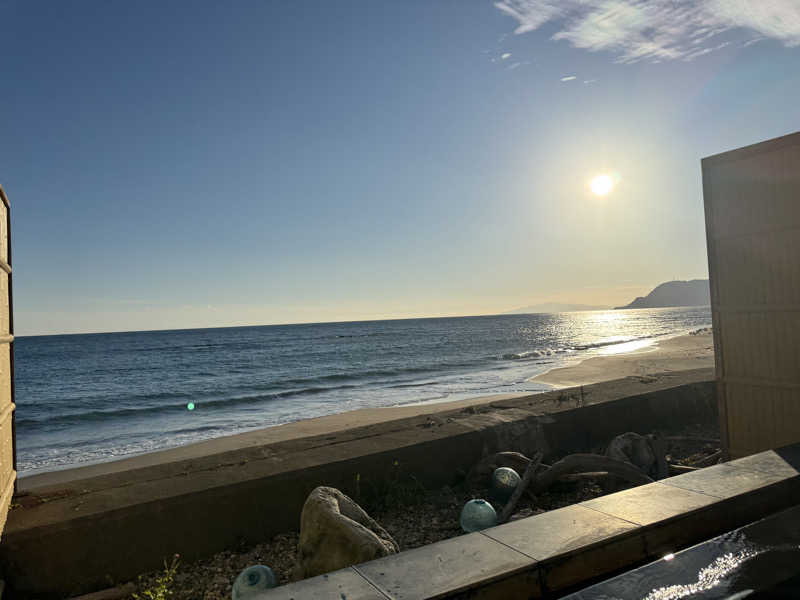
[92, 398]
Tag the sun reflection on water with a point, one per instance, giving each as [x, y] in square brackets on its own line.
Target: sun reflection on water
[707, 578]
[627, 347]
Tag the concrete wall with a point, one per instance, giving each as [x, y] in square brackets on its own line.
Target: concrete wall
[752, 206]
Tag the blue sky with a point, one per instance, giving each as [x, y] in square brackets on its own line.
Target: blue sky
[196, 164]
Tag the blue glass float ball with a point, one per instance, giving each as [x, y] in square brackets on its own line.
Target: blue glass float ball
[477, 515]
[504, 481]
[252, 581]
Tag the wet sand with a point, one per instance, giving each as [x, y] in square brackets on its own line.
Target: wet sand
[674, 354]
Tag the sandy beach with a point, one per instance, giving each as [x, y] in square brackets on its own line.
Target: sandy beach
[643, 359]
[675, 354]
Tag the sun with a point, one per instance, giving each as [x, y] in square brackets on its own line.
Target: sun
[602, 185]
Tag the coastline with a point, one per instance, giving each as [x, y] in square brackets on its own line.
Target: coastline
[674, 354]
[260, 437]
[648, 360]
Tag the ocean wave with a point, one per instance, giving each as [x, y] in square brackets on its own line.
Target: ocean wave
[95, 416]
[602, 344]
[531, 354]
[85, 408]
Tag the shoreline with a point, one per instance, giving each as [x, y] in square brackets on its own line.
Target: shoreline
[644, 360]
[303, 428]
[685, 352]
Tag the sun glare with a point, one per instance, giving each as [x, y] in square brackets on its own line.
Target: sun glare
[602, 185]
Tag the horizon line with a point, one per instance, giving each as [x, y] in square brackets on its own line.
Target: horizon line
[504, 314]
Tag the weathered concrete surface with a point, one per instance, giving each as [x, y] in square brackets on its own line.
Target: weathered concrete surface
[88, 534]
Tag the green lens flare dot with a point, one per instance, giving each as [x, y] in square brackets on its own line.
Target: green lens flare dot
[190, 406]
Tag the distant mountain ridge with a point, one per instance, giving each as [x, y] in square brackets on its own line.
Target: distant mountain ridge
[553, 307]
[674, 293]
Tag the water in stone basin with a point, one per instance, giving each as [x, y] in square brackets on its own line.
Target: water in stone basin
[761, 560]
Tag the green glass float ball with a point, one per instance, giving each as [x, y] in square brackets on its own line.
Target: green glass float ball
[476, 515]
[504, 481]
[252, 581]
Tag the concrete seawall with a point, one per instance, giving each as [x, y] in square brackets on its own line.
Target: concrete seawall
[87, 534]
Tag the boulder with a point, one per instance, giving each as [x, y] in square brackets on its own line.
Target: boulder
[335, 533]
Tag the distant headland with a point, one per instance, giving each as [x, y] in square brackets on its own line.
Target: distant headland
[674, 293]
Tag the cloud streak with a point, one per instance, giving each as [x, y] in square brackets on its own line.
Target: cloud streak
[656, 30]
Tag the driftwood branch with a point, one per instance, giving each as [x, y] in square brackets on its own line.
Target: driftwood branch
[680, 469]
[538, 478]
[576, 477]
[709, 460]
[689, 438]
[530, 473]
[581, 463]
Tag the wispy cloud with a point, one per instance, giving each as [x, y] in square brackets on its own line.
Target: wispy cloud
[568, 78]
[751, 42]
[656, 30]
[505, 55]
[517, 64]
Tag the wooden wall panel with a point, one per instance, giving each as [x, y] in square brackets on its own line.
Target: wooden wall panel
[761, 345]
[8, 475]
[752, 207]
[5, 313]
[3, 232]
[751, 417]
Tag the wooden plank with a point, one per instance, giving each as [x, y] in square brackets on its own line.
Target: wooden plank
[762, 346]
[5, 313]
[751, 412]
[3, 233]
[711, 184]
[5, 377]
[8, 458]
[787, 415]
[5, 499]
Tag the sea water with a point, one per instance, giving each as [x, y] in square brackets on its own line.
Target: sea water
[97, 397]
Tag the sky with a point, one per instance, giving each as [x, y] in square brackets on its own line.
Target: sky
[180, 164]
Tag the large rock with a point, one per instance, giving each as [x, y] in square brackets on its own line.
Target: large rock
[335, 533]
